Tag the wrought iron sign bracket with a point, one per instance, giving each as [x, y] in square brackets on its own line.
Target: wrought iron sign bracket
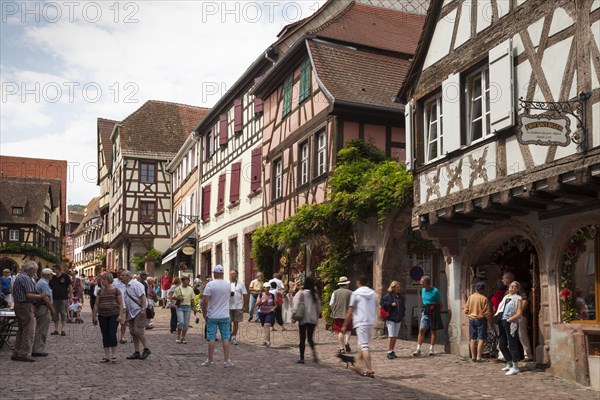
[575, 108]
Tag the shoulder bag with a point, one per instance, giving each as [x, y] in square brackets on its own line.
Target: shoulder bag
[299, 313]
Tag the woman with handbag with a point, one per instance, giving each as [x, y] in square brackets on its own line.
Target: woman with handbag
[392, 310]
[266, 312]
[184, 295]
[108, 308]
[306, 310]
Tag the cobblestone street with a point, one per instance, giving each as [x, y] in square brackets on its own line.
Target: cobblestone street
[173, 371]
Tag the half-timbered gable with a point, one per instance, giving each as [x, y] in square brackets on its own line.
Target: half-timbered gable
[503, 113]
[29, 222]
[322, 94]
[87, 240]
[140, 205]
[229, 200]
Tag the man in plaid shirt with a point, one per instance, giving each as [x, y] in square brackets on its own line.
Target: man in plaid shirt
[24, 294]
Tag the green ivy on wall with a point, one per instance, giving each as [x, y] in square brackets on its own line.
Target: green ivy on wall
[21, 248]
[364, 184]
[139, 260]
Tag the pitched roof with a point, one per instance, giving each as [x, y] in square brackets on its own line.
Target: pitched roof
[375, 27]
[75, 217]
[105, 129]
[158, 129]
[92, 210]
[41, 169]
[347, 74]
[27, 193]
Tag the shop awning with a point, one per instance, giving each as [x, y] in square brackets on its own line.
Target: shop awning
[171, 255]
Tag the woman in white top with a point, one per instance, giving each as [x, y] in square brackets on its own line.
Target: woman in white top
[310, 317]
[184, 294]
[509, 312]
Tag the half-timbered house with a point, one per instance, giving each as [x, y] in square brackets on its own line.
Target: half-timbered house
[184, 181]
[503, 116]
[140, 192]
[73, 220]
[87, 239]
[29, 222]
[334, 85]
[104, 129]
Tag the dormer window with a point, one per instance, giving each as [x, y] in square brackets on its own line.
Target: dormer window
[17, 211]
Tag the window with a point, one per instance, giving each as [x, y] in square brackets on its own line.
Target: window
[147, 212]
[433, 128]
[233, 253]
[47, 218]
[13, 235]
[584, 298]
[303, 166]
[321, 153]
[287, 95]
[277, 179]
[147, 172]
[219, 254]
[478, 105]
[17, 211]
[305, 80]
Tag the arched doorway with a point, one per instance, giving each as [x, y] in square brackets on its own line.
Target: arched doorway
[510, 246]
[7, 263]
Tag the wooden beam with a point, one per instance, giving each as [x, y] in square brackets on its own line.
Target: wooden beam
[560, 212]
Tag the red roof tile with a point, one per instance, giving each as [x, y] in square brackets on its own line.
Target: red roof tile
[380, 28]
[347, 74]
[158, 129]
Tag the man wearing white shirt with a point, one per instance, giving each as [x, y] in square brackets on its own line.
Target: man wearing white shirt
[215, 308]
[277, 290]
[135, 302]
[236, 304]
[121, 286]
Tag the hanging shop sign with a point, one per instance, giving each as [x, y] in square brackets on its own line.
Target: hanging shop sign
[544, 130]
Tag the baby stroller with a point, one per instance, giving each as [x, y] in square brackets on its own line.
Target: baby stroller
[74, 310]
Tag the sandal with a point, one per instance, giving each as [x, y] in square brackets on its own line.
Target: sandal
[113, 360]
[123, 341]
[369, 374]
[104, 360]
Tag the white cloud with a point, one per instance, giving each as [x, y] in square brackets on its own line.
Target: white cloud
[174, 51]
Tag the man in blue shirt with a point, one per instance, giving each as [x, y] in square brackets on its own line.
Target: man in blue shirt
[431, 318]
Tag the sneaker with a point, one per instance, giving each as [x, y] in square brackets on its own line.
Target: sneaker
[390, 356]
[208, 363]
[341, 351]
[431, 353]
[178, 340]
[63, 333]
[234, 340]
[228, 364]
[183, 341]
[145, 354]
[301, 361]
[417, 353]
[507, 368]
[512, 371]
[348, 349]
[267, 344]
[54, 333]
[135, 356]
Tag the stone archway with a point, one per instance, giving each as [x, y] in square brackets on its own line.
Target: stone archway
[479, 251]
[8, 263]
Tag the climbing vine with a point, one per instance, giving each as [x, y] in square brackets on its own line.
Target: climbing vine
[139, 260]
[364, 184]
[21, 248]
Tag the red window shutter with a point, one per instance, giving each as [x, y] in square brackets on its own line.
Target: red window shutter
[234, 189]
[206, 202]
[258, 103]
[255, 178]
[238, 118]
[221, 199]
[223, 130]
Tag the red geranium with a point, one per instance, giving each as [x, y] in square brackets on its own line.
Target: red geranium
[565, 294]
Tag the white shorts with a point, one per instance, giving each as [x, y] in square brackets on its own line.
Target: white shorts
[393, 328]
[363, 334]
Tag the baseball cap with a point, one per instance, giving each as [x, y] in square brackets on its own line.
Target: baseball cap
[266, 285]
[218, 269]
[47, 271]
[479, 286]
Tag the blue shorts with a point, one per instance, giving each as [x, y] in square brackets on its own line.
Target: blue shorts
[267, 318]
[425, 321]
[478, 329]
[222, 324]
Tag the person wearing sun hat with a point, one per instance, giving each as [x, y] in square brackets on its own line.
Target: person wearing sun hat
[478, 310]
[340, 300]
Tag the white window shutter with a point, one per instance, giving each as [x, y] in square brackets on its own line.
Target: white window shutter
[451, 114]
[502, 97]
[408, 133]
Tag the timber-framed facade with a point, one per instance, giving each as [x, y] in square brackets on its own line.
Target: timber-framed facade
[493, 201]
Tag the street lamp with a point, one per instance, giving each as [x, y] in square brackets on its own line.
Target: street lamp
[190, 218]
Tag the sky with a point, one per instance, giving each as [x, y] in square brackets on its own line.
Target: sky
[63, 64]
